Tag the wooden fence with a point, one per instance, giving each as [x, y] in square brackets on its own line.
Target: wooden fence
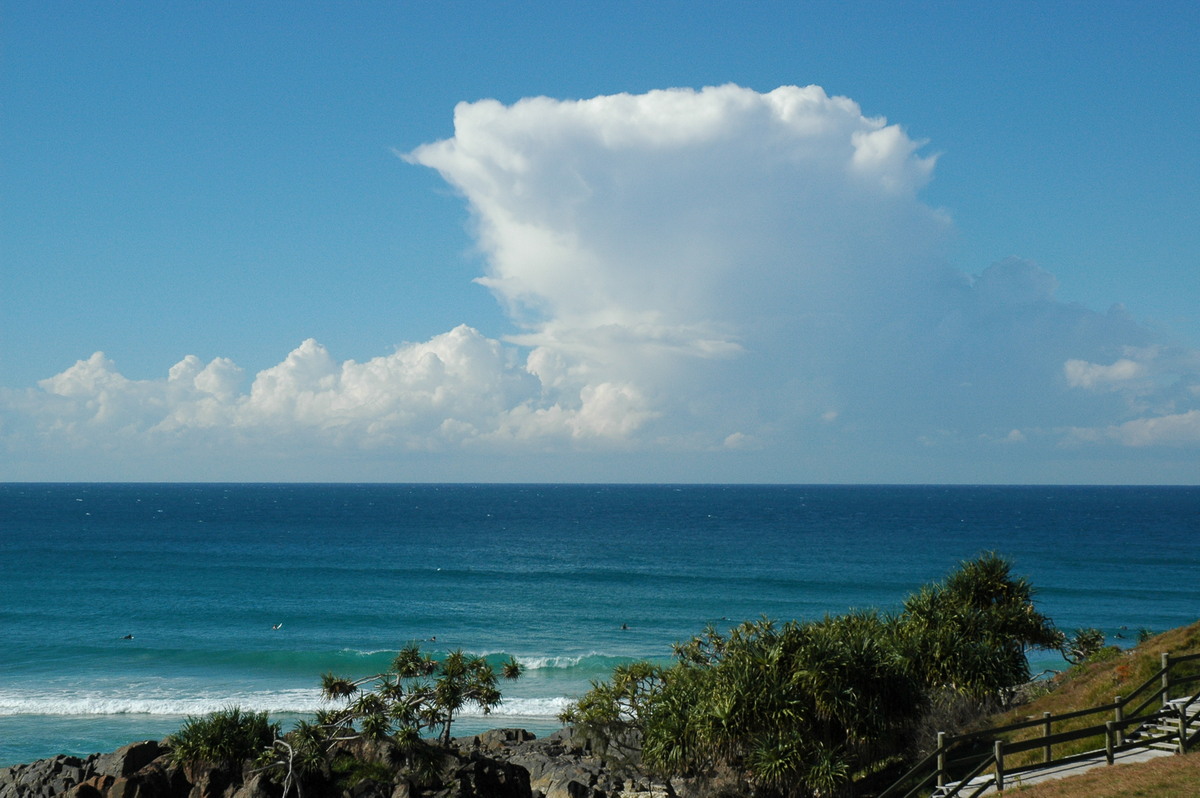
[959, 759]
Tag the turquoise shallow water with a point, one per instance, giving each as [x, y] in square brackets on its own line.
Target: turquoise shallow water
[199, 575]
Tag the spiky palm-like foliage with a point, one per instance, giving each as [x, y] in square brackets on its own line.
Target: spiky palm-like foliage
[611, 714]
[225, 738]
[795, 708]
[970, 633]
[798, 709]
[417, 692]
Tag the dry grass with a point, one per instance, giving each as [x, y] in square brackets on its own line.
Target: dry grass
[1168, 777]
[1099, 682]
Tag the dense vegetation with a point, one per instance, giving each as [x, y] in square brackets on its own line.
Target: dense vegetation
[223, 738]
[824, 707]
[809, 708]
[394, 710]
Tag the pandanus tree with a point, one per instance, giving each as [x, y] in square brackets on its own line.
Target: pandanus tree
[418, 693]
[612, 714]
[223, 738]
[799, 709]
[793, 708]
[970, 633]
[415, 695]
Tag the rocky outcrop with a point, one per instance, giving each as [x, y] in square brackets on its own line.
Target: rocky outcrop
[97, 775]
[561, 765]
[502, 763]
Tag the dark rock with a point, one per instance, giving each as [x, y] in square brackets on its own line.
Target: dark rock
[93, 787]
[369, 788]
[498, 739]
[123, 788]
[501, 763]
[129, 772]
[206, 782]
[85, 790]
[259, 785]
[490, 778]
[159, 779]
[42, 779]
[128, 759]
[562, 765]
[576, 790]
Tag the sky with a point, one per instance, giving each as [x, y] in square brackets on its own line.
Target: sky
[809, 242]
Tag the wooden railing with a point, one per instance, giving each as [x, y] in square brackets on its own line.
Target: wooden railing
[961, 758]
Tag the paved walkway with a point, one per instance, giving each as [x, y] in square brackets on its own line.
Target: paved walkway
[1075, 768]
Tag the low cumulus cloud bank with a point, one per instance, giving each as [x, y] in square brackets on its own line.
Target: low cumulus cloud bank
[688, 270]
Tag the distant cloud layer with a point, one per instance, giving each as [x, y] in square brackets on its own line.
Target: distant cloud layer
[688, 271]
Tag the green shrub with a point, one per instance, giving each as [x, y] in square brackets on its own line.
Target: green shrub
[1104, 654]
[808, 708]
[226, 737]
[349, 770]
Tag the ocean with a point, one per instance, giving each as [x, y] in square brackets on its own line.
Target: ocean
[125, 608]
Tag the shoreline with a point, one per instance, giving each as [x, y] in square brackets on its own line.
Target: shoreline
[101, 733]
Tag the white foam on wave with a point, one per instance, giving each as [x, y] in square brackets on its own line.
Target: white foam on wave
[282, 701]
[305, 701]
[522, 708]
[541, 663]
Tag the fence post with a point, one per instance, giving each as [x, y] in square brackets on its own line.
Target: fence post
[1046, 733]
[941, 759]
[1166, 677]
[1108, 741]
[999, 751]
[1183, 732]
[1119, 714]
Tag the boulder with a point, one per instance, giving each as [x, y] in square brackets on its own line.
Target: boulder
[495, 740]
[160, 779]
[94, 787]
[128, 759]
[501, 763]
[562, 765]
[44, 778]
[258, 785]
[486, 777]
[206, 782]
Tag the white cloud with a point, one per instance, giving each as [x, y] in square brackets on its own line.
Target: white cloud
[688, 271]
[457, 387]
[1178, 429]
[1081, 374]
[694, 243]
[674, 218]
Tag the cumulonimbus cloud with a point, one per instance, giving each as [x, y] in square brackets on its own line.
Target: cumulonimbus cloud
[685, 220]
[686, 269]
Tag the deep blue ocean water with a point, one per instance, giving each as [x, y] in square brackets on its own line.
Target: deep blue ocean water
[199, 575]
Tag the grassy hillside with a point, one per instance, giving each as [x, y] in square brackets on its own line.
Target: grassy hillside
[1110, 673]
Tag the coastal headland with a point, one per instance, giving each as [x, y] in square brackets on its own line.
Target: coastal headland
[501, 763]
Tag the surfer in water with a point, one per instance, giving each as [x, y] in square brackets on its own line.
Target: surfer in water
[278, 625]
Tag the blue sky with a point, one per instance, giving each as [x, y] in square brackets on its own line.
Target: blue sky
[228, 182]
